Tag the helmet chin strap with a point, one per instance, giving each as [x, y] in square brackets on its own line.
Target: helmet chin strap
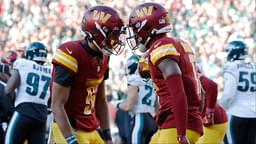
[103, 50]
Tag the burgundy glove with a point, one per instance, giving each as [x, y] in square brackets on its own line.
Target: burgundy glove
[182, 139]
[208, 119]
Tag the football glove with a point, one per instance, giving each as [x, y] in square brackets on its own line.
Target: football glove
[71, 139]
[182, 139]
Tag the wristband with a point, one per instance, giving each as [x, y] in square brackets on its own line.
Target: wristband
[71, 139]
[106, 134]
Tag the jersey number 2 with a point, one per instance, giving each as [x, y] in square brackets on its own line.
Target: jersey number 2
[145, 99]
[33, 80]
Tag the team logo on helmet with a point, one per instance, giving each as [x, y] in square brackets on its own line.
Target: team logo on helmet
[145, 11]
[101, 16]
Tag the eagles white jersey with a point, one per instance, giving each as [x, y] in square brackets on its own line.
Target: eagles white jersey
[244, 99]
[146, 97]
[34, 82]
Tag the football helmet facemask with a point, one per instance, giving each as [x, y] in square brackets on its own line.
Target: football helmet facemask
[236, 50]
[104, 27]
[37, 52]
[146, 21]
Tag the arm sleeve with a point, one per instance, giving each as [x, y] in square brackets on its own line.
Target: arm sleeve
[63, 77]
[228, 92]
[211, 89]
[179, 100]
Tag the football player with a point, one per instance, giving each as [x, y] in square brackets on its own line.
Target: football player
[141, 102]
[80, 68]
[6, 64]
[239, 93]
[32, 79]
[214, 116]
[171, 63]
[6, 103]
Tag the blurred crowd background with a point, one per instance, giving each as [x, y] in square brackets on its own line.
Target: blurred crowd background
[207, 24]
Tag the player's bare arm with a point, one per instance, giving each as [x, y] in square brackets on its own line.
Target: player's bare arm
[13, 82]
[169, 67]
[102, 112]
[132, 99]
[60, 96]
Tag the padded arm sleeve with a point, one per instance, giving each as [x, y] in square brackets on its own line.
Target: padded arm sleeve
[178, 96]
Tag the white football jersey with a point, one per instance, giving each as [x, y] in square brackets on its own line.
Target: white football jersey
[244, 100]
[34, 82]
[147, 97]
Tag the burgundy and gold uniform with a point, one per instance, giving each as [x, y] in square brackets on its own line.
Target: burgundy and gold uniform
[210, 90]
[215, 132]
[181, 52]
[80, 105]
[74, 56]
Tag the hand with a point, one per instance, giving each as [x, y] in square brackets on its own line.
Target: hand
[182, 139]
[208, 119]
[108, 142]
[71, 139]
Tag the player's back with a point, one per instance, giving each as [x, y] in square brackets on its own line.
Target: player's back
[146, 96]
[33, 92]
[34, 82]
[244, 102]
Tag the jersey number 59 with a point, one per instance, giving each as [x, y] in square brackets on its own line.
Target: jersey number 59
[247, 81]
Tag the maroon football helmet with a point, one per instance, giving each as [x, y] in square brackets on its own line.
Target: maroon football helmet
[103, 26]
[146, 21]
[9, 57]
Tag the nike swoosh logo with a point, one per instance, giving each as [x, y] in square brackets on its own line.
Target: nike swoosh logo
[69, 51]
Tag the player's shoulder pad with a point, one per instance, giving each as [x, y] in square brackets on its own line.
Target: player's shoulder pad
[67, 55]
[162, 48]
[230, 67]
[20, 63]
[186, 45]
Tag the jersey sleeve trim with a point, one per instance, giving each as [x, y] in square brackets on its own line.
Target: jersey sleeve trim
[94, 82]
[164, 50]
[66, 60]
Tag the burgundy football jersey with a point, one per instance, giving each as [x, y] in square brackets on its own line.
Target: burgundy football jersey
[211, 94]
[88, 73]
[181, 52]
